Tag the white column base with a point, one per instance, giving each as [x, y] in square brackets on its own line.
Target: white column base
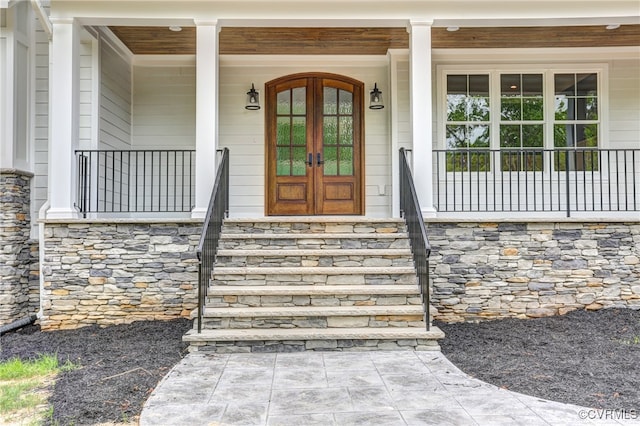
[198, 213]
[429, 213]
[62, 213]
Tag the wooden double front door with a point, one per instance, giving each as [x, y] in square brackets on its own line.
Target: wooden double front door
[314, 146]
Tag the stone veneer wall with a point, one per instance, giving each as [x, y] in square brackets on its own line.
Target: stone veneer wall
[118, 271]
[483, 270]
[19, 285]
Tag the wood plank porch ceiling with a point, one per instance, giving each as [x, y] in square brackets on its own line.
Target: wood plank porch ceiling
[368, 41]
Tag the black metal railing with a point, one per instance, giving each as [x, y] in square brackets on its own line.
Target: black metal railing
[217, 211]
[537, 180]
[420, 247]
[135, 181]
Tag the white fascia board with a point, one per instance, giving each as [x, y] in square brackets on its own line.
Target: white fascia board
[38, 9]
[524, 55]
[107, 36]
[348, 12]
[536, 22]
[296, 60]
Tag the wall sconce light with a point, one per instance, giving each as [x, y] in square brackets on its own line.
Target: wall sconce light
[253, 99]
[375, 98]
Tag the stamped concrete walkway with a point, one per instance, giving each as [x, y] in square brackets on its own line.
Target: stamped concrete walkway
[344, 388]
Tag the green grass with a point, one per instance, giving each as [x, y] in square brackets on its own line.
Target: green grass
[18, 395]
[15, 368]
[22, 384]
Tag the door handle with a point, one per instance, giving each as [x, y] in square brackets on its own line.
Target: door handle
[310, 162]
[319, 158]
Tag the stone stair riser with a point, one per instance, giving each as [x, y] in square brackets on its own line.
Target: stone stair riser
[293, 260]
[320, 279]
[315, 322]
[233, 301]
[343, 345]
[313, 228]
[314, 243]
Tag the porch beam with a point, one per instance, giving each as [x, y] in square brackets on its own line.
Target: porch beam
[64, 95]
[421, 111]
[207, 71]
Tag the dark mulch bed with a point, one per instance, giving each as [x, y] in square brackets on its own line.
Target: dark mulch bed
[584, 358]
[119, 366]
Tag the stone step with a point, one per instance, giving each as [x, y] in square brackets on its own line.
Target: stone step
[304, 311]
[310, 295]
[308, 283]
[318, 224]
[313, 290]
[249, 241]
[302, 339]
[316, 252]
[307, 333]
[260, 276]
[314, 317]
[317, 257]
[370, 270]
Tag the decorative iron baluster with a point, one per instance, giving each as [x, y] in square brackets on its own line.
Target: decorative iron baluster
[217, 211]
[420, 247]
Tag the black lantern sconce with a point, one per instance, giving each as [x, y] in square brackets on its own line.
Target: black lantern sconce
[375, 98]
[253, 99]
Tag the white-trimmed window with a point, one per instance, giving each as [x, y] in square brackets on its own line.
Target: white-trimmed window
[576, 120]
[468, 123]
[521, 121]
[521, 112]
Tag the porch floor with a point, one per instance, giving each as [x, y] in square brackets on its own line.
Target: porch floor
[338, 388]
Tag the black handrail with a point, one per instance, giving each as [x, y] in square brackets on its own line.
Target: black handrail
[217, 211]
[420, 247]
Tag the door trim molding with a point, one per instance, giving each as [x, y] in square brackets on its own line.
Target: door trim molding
[360, 176]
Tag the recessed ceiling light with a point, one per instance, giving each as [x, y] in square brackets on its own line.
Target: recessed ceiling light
[452, 29]
[175, 28]
[612, 26]
[513, 86]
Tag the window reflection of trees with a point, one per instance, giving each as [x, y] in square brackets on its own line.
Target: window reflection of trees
[522, 122]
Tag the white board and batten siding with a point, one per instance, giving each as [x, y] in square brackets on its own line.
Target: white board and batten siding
[624, 103]
[115, 100]
[164, 107]
[40, 181]
[164, 101]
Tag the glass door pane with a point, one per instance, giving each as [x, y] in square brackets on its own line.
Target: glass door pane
[337, 128]
[291, 132]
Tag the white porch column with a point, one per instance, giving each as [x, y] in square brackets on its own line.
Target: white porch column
[394, 56]
[206, 113]
[421, 111]
[63, 115]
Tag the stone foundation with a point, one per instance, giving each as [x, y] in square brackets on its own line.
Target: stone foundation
[483, 270]
[19, 284]
[112, 272]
